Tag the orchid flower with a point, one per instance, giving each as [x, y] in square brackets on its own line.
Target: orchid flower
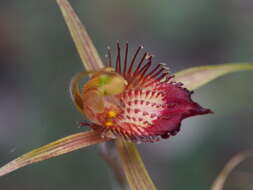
[126, 102]
[140, 104]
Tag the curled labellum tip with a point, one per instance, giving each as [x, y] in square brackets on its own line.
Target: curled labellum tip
[138, 100]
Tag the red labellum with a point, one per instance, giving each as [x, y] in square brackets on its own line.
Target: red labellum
[138, 100]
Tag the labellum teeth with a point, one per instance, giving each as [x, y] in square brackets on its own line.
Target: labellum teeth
[145, 105]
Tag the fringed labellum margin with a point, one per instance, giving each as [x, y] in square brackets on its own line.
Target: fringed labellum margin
[138, 101]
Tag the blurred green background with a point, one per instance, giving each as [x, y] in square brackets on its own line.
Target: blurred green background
[38, 59]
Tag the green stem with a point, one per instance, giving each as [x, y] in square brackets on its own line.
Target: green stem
[133, 166]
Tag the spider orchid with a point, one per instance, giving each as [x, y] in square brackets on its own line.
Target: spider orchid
[130, 101]
[137, 101]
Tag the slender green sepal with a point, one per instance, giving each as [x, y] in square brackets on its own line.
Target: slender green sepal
[83, 42]
[196, 77]
[56, 148]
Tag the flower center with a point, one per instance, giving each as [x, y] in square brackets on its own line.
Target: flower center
[109, 120]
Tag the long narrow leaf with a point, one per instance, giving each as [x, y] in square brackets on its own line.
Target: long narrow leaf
[84, 45]
[134, 169]
[196, 77]
[56, 148]
[228, 168]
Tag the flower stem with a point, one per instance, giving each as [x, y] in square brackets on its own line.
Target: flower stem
[133, 166]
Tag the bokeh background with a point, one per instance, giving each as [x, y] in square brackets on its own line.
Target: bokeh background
[38, 59]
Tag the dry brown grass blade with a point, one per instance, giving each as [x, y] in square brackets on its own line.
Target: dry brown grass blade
[56, 148]
[133, 166]
[228, 168]
[84, 45]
